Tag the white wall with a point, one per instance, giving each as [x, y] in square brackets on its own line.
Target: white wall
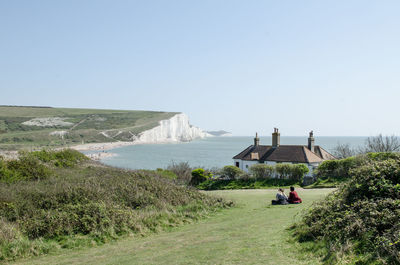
[245, 165]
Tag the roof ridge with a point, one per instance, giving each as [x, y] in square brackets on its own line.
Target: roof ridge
[305, 155]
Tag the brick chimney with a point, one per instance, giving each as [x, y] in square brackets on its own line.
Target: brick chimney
[256, 140]
[276, 138]
[311, 142]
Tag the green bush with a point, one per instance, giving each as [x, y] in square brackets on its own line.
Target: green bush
[362, 216]
[24, 168]
[167, 173]
[198, 176]
[94, 202]
[339, 169]
[38, 165]
[63, 158]
[231, 172]
[226, 184]
[298, 171]
[283, 170]
[262, 171]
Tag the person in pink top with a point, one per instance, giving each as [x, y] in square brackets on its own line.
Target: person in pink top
[294, 197]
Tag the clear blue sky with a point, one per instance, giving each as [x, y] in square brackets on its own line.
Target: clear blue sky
[241, 66]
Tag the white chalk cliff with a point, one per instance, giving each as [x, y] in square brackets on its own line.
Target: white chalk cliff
[175, 129]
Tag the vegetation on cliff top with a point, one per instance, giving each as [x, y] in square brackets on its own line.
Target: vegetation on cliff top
[22, 127]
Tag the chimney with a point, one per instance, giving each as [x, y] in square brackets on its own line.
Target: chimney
[276, 138]
[311, 142]
[256, 140]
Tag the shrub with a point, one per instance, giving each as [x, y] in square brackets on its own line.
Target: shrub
[262, 171]
[231, 172]
[339, 169]
[227, 184]
[199, 175]
[362, 215]
[63, 158]
[96, 203]
[182, 170]
[283, 170]
[166, 173]
[298, 171]
[26, 168]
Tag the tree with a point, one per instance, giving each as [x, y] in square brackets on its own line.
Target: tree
[372, 144]
[382, 144]
[343, 151]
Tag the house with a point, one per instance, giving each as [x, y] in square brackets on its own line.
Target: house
[310, 155]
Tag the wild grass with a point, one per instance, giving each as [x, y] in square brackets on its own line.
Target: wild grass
[89, 204]
[252, 232]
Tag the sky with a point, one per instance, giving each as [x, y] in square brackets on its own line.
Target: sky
[240, 66]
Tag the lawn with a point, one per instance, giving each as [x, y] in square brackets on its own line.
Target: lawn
[253, 232]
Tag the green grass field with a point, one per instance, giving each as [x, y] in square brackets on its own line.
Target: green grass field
[254, 232]
[85, 126]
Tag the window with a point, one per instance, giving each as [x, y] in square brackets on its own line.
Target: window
[254, 156]
[237, 164]
[247, 166]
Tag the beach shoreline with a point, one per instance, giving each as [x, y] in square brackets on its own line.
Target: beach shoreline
[100, 146]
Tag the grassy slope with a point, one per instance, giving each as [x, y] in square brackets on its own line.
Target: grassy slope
[14, 135]
[252, 233]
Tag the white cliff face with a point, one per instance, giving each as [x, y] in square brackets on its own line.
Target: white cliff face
[176, 129]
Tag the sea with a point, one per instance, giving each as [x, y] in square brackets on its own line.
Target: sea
[212, 152]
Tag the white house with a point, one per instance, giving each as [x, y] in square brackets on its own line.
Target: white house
[310, 155]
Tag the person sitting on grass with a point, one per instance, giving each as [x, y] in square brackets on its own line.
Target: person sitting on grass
[294, 197]
[281, 198]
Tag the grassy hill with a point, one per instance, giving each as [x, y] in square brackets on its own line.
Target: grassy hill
[253, 232]
[60, 199]
[30, 127]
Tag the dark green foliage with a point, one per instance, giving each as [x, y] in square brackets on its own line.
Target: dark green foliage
[225, 184]
[25, 168]
[340, 169]
[231, 172]
[94, 202]
[337, 168]
[363, 215]
[198, 176]
[38, 165]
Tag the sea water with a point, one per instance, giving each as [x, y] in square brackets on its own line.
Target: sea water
[208, 152]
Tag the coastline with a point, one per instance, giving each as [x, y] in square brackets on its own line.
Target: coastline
[100, 146]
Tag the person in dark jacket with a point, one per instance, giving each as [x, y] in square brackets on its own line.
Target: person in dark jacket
[294, 197]
[281, 198]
